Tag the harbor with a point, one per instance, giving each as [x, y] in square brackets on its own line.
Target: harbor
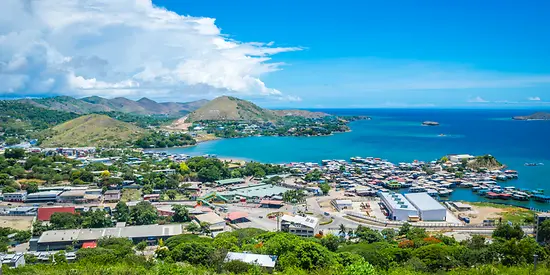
[440, 179]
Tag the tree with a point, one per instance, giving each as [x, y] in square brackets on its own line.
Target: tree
[141, 246]
[32, 187]
[63, 220]
[360, 268]
[506, 231]
[143, 213]
[8, 189]
[389, 234]
[435, 256]
[193, 252]
[171, 194]
[368, 235]
[14, 153]
[342, 231]
[331, 242]
[543, 232]
[181, 214]
[192, 227]
[325, 188]
[96, 219]
[122, 212]
[105, 174]
[205, 227]
[310, 255]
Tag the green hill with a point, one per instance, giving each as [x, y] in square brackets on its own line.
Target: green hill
[91, 130]
[231, 108]
[96, 104]
[486, 161]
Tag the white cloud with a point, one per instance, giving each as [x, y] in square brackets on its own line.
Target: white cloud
[477, 99]
[125, 47]
[534, 98]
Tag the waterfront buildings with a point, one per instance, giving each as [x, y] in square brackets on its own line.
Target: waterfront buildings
[303, 226]
[428, 208]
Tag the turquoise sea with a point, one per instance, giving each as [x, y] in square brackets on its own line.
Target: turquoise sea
[398, 136]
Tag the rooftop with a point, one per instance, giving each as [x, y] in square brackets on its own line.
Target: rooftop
[423, 201]
[308, 221]
[92, 234]
[210, 217]
[397, 201]
[259, 259]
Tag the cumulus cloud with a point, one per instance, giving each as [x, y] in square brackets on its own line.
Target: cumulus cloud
[126, 48]
[477, 99]
[533, 98]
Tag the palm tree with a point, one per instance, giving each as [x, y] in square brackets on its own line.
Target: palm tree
[342, 230]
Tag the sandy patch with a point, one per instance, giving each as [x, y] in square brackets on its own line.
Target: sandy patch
[16, 222]
[480, 213]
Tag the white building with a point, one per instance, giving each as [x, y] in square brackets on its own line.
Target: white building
[459, 158]
[299, 225]
[343, 204]
[399, 208]
[267, 261]
[13, 260]
[428, 208]
[215, 222]
[20, 196]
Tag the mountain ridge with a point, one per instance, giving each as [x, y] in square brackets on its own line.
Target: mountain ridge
[93, 104]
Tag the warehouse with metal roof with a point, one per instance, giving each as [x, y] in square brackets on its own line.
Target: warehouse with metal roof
[399, 208]
[428, 208]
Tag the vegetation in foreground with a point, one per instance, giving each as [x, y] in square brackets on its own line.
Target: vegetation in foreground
[409, 250]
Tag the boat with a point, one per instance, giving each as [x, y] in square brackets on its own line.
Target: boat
[502, 177]
[534, 164]
[541, 198]
[443, 192]
[520, 197]
[476, 188]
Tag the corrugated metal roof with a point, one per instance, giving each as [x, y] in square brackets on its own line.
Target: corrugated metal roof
[423, 201]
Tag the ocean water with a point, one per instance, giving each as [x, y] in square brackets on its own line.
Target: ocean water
[398, 136]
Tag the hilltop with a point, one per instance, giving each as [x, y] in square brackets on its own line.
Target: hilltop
[91, 130]
[235, 109]
[96, 104]
[231, 108]
[535, 116]
[486, 161]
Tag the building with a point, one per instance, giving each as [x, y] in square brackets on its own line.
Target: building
[460, 206]
[540, 218]
[13, 260]
[428, 208]
[20, 196]
[112, 196]
[44, 196]
[460, 157]
[237, 217]
[60, 239]
[45, 213]
[266, 261]
[399, 208]
[151, 197]
[271, 203]
[72, 196]
[303, 226]
[342, 204]
[254, 192]
[229, 181]
[22, 211]
[215, 222]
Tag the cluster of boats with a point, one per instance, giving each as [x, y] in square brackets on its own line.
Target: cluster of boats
[510, 192]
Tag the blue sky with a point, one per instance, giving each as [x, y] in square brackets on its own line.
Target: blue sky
[309, 54]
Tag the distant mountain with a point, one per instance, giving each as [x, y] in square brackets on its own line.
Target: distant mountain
[94, 104]
[535, 116]
[231, 108]
[91, 130]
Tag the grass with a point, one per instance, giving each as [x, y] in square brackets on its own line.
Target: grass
[130, 195]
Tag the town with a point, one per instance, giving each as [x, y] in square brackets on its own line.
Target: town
[56, 201]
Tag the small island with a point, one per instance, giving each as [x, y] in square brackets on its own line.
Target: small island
[535, 116]
[430, 123]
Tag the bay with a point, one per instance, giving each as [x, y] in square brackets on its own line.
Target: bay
[398, 136]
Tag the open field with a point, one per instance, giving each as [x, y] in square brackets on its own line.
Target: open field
[16, 222]
[491, 211]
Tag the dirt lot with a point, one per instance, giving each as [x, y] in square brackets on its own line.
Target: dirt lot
[16, 222]
[488, 211]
